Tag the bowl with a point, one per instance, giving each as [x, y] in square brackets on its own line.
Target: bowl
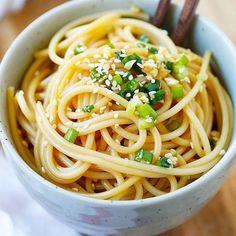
[106, 217]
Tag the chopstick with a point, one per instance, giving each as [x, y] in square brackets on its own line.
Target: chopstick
[161, 12]
[184, 21]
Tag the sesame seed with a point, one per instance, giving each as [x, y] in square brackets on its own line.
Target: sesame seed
[95, 90]
[116, 115]
[117, 141]
[136, 91]
[54, 102]
[152, 81]
[75, 189]
[149, 120]
[54, 126]
[107, 82]
[78, 110]
[117, 103]
[171, 81]
[186, 79]
[114, 83]
[110, 77]
[97, 56]
[51, 119]
[117, 60]
[94, 115]
[130, 77]
[222, 152]
[140, 65]
[113, 66]
[168, 155]
[128, 95]
[102, 109]
[45, 143]
[86, 126]
[43, 170]
[24, 143]
[129, 64]
[116, 126]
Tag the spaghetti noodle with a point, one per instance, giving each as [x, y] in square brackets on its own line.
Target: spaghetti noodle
[112, 109]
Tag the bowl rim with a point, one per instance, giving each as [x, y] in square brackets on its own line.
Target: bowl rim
[226, 159]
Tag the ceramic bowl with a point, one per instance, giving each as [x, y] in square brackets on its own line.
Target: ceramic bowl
[102, 217]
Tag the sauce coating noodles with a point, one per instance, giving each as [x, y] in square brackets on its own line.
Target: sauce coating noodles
[112, 109]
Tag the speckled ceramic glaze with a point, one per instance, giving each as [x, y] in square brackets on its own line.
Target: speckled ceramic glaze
[100, 217]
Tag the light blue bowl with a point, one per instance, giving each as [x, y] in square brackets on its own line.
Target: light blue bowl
[101, 217]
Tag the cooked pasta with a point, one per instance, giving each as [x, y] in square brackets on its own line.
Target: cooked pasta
[113, 109]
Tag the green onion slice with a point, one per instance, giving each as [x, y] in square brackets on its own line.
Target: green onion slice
[131, 108]
[143, 156]
[132, 85]
[143, 124]
[152, 86]
[79, 49]
[98, 73]
[144, 38]
[87, 108]
[158, 96]
[146, 111]
[117, 79]
[153, 50]
[177, 91]
[71, 135]
[163, 162]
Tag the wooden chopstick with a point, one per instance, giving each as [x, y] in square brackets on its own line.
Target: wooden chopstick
[184, 22]
[161, 12]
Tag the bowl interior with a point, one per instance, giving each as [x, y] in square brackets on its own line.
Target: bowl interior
[203, 36]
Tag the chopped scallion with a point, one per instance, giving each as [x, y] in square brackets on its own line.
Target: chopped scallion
[169, 66]
[141, 45]
[111, 45]
[152, 86]
[177, 91]
[79, 49]
[163, 162]
[117, 79]
[158, 96]
[132, 57]
[146, 111]
[183, 60]
[126, 77]
[87, 108]
[153, 50]
[143, 156]
[120, 55]
[144, 38]
[132, 85]
[98, 73]
[71, 135]
[131, 108]
[123, 92]
[143, 124]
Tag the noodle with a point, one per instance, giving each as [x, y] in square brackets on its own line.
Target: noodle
[72, 119]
